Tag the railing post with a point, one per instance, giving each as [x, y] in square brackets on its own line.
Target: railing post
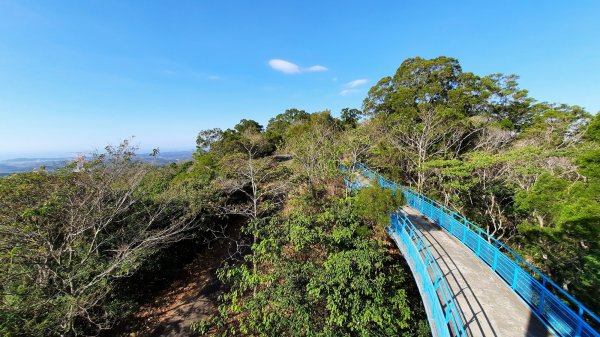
[542, 296]
[515, 273]
[478, 251]
[495, 262]
[579, 322]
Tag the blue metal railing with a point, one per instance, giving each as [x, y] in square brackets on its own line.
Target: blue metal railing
[444, 316]
[567, 317]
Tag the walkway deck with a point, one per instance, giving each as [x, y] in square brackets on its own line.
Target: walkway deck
[489, 307]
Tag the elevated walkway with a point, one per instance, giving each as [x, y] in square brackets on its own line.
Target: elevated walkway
[471, 283]
[487, 305]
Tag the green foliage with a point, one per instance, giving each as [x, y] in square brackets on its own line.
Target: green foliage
[544, 197]
[248, 125]
[320, 275]
[509, 104]
[555, 126]
[350, 117]
[527, 172]
[67, 239]
[419, 84]
[562, 234]
[375, 204]
[200, 327]
[314, 145]
[593, 129]
[220, 143]
[279, 125]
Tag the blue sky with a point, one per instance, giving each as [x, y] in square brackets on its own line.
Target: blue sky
[76, 75]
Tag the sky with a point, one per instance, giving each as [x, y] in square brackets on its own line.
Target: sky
[78, 75]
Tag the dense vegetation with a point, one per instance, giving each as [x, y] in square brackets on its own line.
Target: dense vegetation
[311, 258]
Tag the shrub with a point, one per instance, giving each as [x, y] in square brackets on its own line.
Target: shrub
[375, 204]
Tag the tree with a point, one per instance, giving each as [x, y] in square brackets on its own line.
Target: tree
[206, 138]
[279, 125]
[248, 125]
[350, 117]
[254, 186]
[221, 143]
[375, 204]
[555, 126]
[508, 104]
[314, 147]
[66, 238]
[424, 110]
[593, 129]
[357, 143]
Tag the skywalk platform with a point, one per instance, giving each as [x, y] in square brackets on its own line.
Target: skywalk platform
[487, 304]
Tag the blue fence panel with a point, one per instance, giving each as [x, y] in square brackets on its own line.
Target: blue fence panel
[566, 318]
[505, 268]
[443, 314]
[471, 240]
[487, 252]
[529, 288]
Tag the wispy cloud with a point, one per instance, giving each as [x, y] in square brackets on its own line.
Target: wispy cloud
[348, 91]
[356, 83]
[316, 68]
[213, 77]
[288, 67]
[353, 86]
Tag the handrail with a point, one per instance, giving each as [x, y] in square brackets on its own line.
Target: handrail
[443, 312]
[536, 289]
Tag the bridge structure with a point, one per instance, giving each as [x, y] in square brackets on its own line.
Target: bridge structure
[471, 283]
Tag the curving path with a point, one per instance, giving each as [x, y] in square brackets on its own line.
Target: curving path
[488, 306]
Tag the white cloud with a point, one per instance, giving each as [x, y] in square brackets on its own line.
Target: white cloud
[316, 68]
[348, 91]
[288, 67]
[213, 77]
[356, 83]
[284, 66]
[353, 86]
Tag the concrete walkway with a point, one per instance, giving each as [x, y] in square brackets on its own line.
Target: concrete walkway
[489, 307]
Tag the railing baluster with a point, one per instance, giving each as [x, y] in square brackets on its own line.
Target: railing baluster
[579, 323]
[479, 238]
[515, 274]
[495, 263]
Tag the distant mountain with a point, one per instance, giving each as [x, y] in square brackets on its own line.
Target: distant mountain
[16, 165]
[27, 164]
[167, 157]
